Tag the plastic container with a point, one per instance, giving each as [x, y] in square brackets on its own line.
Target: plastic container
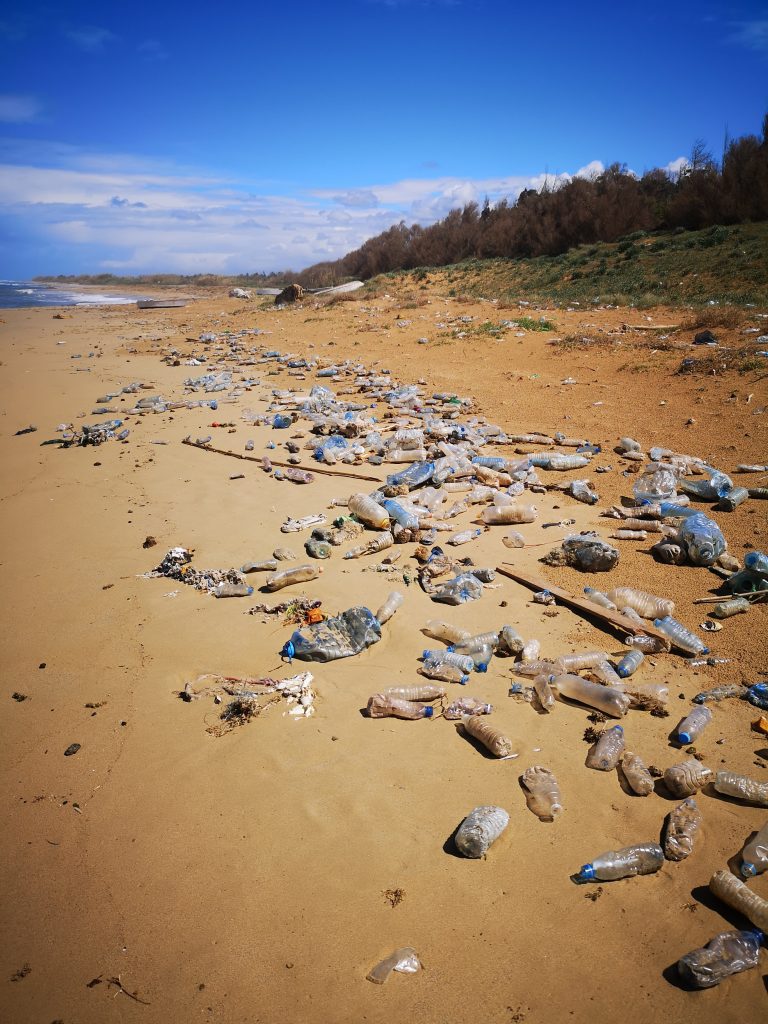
[462, 588]
[606, 752]
[637, 776]
[653, 691]
[531, 650]
[682, 825]
[446, 673]
[732, 891]
[544, 691]
[581, 491]
[439, 630]
[505, 515]
[404, 960]
[741, 787]
[599, 598]
[656, 483]
[368, 511]
[647, 605]
[466, 706]
[693, 725]
[372, 547]
[492, 739]
[286, 578]
[605, 672]
[225, 589]
[647, 644]
[425, 692]
[641, 859]
[629, 664]
[474, 643]
[730, 501]
[542, 793]
[509, 641]
[681, 637]
[687, 778]
[702, 539]
[726, 609]
[382, 706]
[757, 562]
[602, 698]
[464, 537]
[390, 606]
[269, 565]
[340, 636]
[721, 693]
[480, 830]
[754, 856]
[728, 953]
[461, 661]
[400, 514]
[578, 662]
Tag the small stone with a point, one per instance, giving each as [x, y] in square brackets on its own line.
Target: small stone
[71, 749]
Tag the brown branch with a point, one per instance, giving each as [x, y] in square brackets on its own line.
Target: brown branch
[282, 465]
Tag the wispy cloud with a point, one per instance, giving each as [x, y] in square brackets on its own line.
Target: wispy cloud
[16, 109]
[152, 50]
[751, 34]
[90, 38]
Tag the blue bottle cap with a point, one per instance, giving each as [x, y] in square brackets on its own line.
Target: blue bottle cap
[684, 737]
[482, 667]
[451, 648]
[618, 728]
[748, 870]
[586, 874]
[250, 591]
[464, 680]
[428, 712]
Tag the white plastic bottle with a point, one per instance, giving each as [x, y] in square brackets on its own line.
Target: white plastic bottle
[754, 857]
[480, 829]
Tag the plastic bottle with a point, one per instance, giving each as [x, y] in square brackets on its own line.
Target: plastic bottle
[641, 859]
[480, 830]
[382, 706]
[628, 444]
[734, 892]
[721, 693]
[286, 578]
[638, 778]
[531, 650]
[466, 706]
[654, 691]
[446, 673]
[606, 752]
[741, 787]
[757, 562]
[656, 483]
[728, 953]
[269, 565]
[603, 698]
[474, 643]
[631, 614]
[730, 501]
[754, 856]
[399, 513]
[544, 691]
[682, 825]
[578, 662]
[504, 515]
[509, 641]
[425, 692]
[439, 630]
[368, 511]
[686, 778]
[462, 661]
[605, 672]
[675, 510]
[681, 637]
[225, 589]
[390, 606]
[372, 547]
[726, 609]
[404, 960]
[542, 793]
[647, 644]
[464, 537]
[599, 598]
[581, 491]
[702, 539]
[492, 739]
[629, 664]
[647, 605]
[693, 725]
[280, 422]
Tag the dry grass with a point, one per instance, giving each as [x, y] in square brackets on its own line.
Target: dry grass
[715, 316]
[338, 298]
[723, 360]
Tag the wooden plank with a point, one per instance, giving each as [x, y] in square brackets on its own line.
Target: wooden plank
[283, 465]
[615, 619]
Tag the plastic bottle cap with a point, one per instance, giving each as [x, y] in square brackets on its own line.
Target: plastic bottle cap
[464, 680]
[428, 712]
[685, 737]
[482, 667]
[748, 870]
[618, 728]
[587, 873]
[288, 650]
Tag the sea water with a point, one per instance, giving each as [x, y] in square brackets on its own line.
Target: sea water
[26, 294]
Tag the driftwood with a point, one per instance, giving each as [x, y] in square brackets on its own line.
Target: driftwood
[282, 465]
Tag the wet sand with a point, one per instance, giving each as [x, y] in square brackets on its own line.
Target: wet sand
[243, 877]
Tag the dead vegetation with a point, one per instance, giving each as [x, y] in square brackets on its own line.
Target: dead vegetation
[715, 316]
[741, 359]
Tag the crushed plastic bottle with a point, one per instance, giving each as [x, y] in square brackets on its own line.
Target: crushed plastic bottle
[726, 954]
[509, 641]
[543, 691]
[641, 859]
[286, 578]
[464, 537]
[742, 787]
[439, 630]
[542, 793]
[480, 829]
[606, 752]
[578, 662]
[656, 483]
[390, 606]
[459, 590]
[404, 960]
[225, 589]
[466, 706]
[721, 693]
[492, 739]
[425, 692]
[649, 606]
[754, 856]
[757, 561]
[702, 539]
[732, 891]
[340, 636]
[687, 778]
[637, 776]
[381, 705]
[682, 825]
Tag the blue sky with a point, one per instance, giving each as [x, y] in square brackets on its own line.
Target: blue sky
[247, 137]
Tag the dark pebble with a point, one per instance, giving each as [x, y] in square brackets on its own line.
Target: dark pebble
[71, 749]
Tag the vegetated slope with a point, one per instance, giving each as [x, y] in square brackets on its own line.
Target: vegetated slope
[727, 265]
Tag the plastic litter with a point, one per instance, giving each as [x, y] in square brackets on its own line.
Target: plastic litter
[340, 636]
[404, 960]
[480, 829]
[726, 954]
[682, 825]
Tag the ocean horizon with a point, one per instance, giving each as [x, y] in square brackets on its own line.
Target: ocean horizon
[31, 294]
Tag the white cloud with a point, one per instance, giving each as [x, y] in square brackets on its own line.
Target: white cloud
[675, 167]
[752, 34]
[90, 38]
[16, 109]
[592, 170]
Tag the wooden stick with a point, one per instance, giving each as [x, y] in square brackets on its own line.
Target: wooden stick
[615, 619]
[728, 597]
[282, 465]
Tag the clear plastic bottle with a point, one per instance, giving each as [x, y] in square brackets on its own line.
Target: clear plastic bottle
[406, 455]
[476, 642]
[269, 565]
[464, 537]
[492, 739]
[754, 856]
[446, 673]
[605, 672]
[629, 664]
[382, 706]
[702, 539]
[639, 779]
[730, 501]
[544, 691]
[531, 650]
[680, 636]
[682, 825]
[505, 515]
[372, 547]
[728, 953]
[721, 693]
[286, 578]
[693, 725]
[741, 787]
[466, 706]
[732, 891]
[606, 752]
[726, 609]
[647, 644]
[390, 606]
[439, 630]
[656, 483]
[578, 662]
[603, 698]
[542, 793]
[599, 598]
[653, 691]
[687, 778]
[425, 692]
[368, 511]
[225, 589]
[628, 444]
[404, 960]
[756, 561]
[462, 661]
[509, 641]
[641, 859]
[648, 605]
[480, 830]
[581, 491]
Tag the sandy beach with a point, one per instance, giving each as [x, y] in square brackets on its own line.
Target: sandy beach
[250, 876]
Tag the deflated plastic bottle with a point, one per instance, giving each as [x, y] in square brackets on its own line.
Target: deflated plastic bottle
[642, 859]
[605, 672]
[441, 670]
[757, 695]
[721, 693]
[459, 590]
[647, 605]
[368, 511]
[638, 778]
[680, 636]
[647, 644]
[599, 598]
[372, 547]
[480, 830]
[462, 661]
[687, 778]
[509, 641]
[225, 589]
[425, 692]
[474, 643]
[726, 609]
[603, 698]
[754, 857]
[577, 662]
[286, 578]
[674, 510]
[757, 562]
[702, 539]
[390, 606]
[653, 691]
[404, 960]
[628, 444]
[382, 706]
[439, 630]
[728, 953]
[629, 664]
[464, 537]
[530, 669]
[682, 825]
[544, 691]
[531, 650]
[631, 614]
[480, 654]
[734, 892]
[466, 706]
[581, 491]
[492, 739]
[606, 752]
[656, 483]
[720, 483]
[741, 787]
[268, 565]
[693, 725]
[730, 502]
[504, 515]
[406, 455]
[542, 793]
[414, 476]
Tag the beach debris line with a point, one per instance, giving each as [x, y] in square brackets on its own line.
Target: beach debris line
[251, 697]
[219, 582]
